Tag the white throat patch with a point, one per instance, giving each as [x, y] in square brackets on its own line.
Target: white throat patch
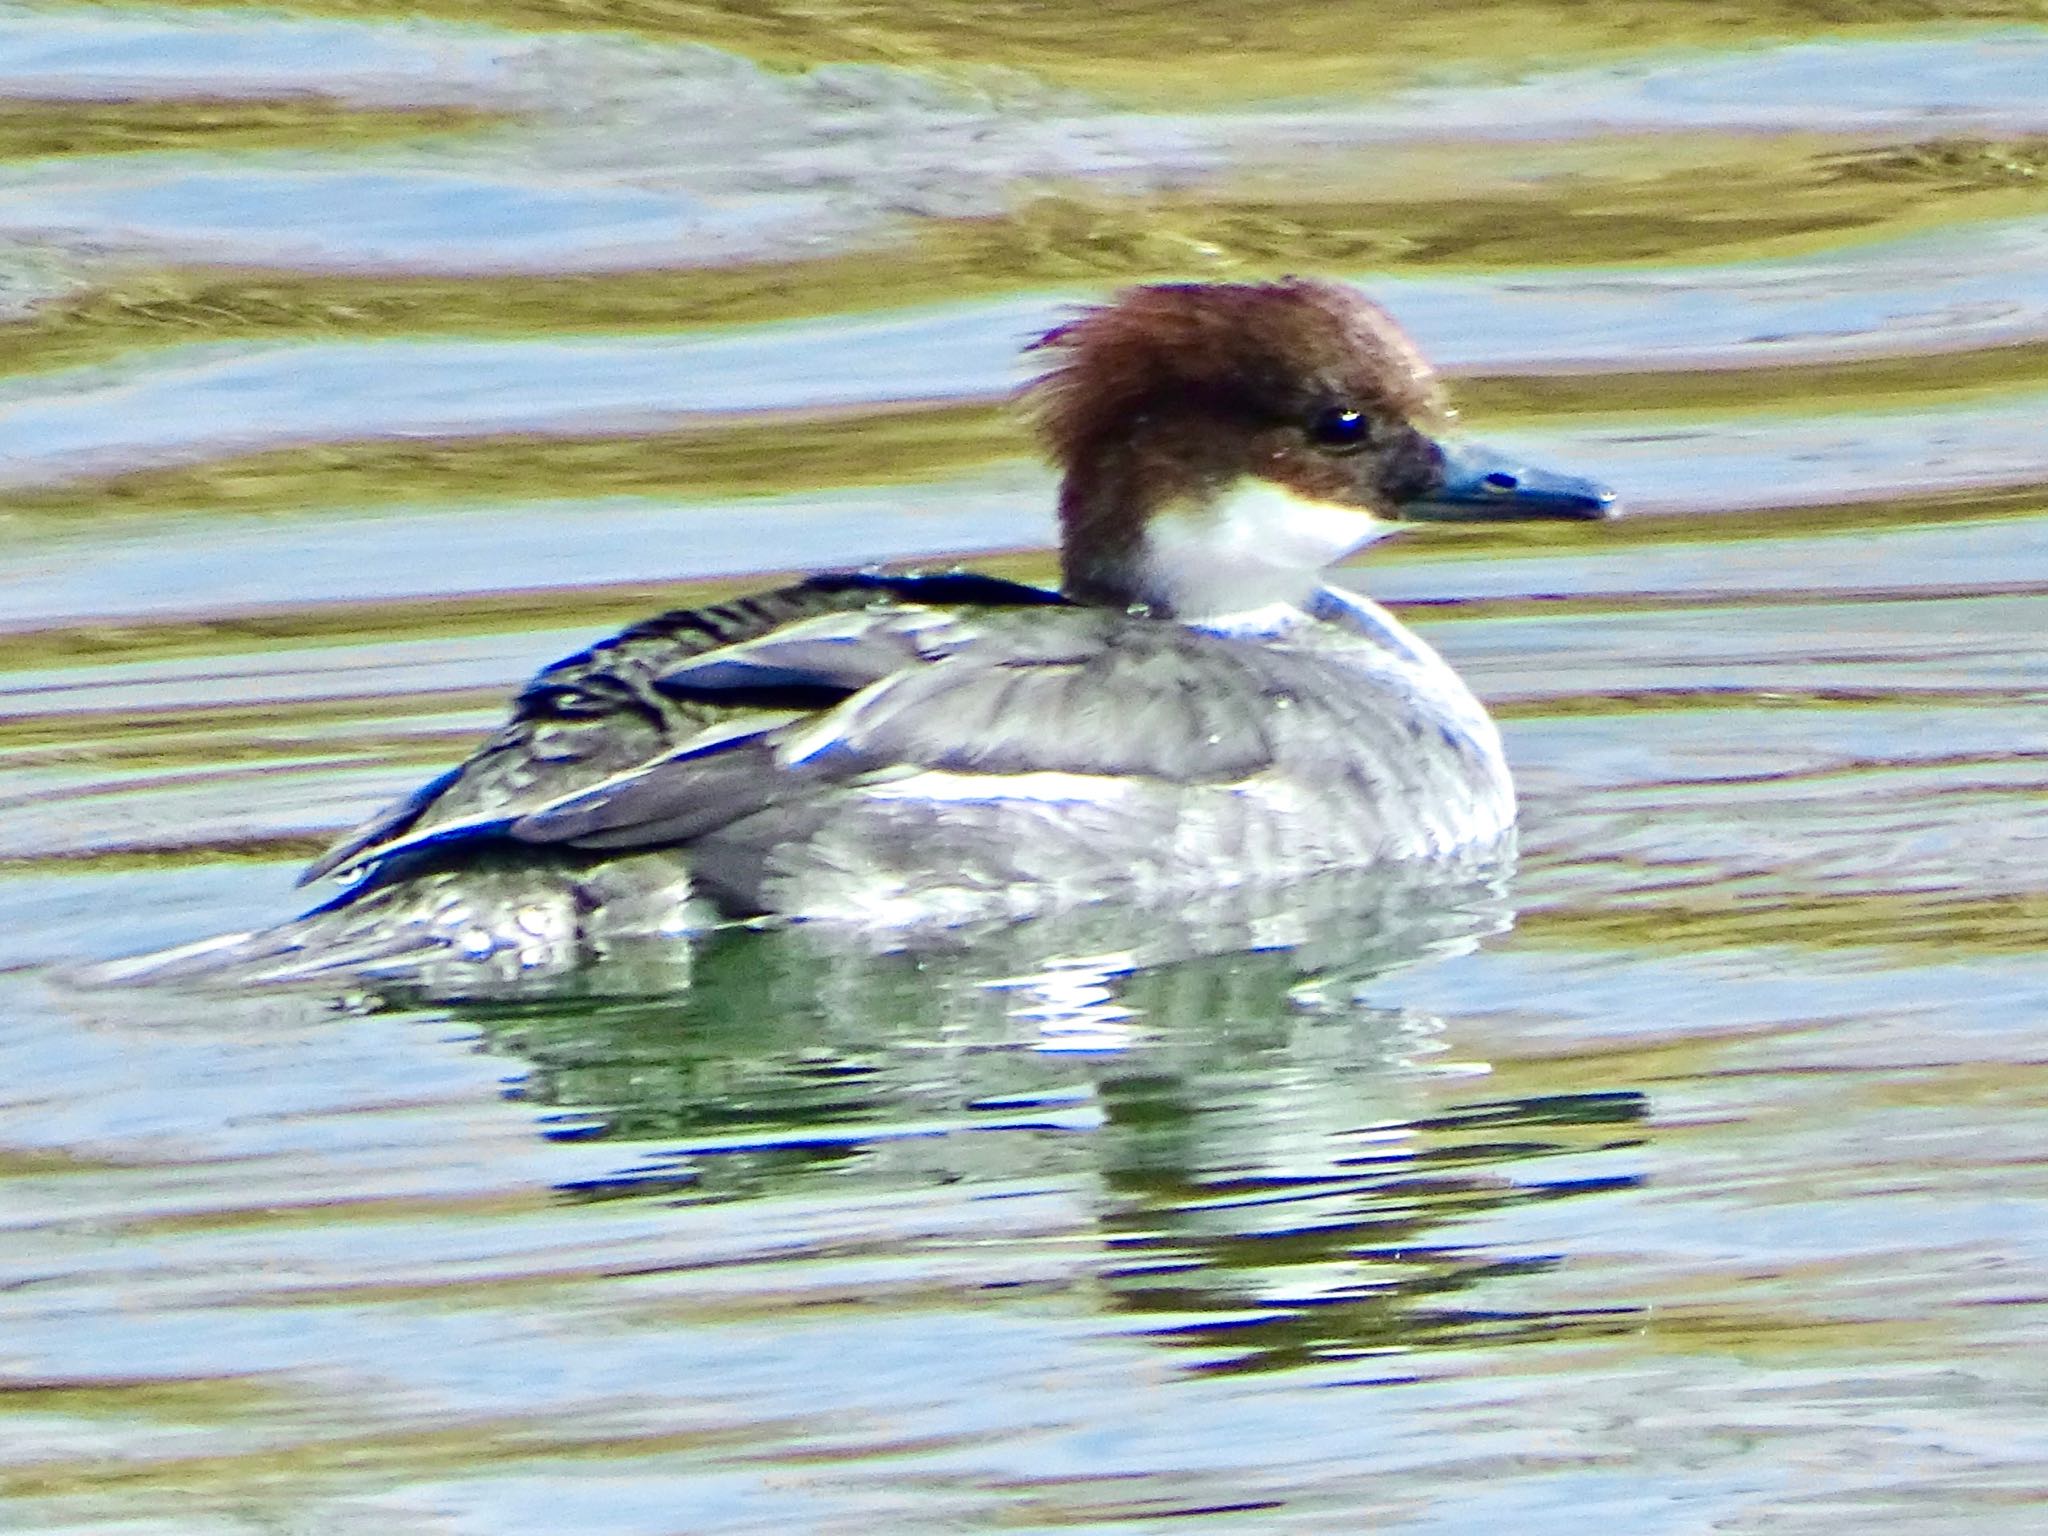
[1258, 544]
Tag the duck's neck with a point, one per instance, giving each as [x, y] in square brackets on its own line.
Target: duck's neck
[1200, 550]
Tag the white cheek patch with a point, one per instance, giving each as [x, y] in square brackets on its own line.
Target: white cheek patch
[1257, 544]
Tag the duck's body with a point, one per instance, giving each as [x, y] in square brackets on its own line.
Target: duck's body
[879, 749]
[1194, 709]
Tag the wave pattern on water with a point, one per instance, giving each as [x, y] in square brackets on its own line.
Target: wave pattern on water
[354, 367]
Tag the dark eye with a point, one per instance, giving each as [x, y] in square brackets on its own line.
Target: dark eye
[1340, 428]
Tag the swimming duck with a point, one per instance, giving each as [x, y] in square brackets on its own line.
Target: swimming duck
[1193, 707]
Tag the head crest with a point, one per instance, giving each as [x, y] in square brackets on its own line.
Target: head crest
[1267, 349]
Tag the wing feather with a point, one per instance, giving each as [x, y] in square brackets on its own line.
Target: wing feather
[659, 738]
[1148, 700]
[622, 704]
[1123, 705]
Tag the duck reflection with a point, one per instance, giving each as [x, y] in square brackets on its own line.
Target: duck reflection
[1271, 1157]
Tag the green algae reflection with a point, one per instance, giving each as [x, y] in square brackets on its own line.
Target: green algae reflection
[1166, 53]
[40, 129]
[1644, 202]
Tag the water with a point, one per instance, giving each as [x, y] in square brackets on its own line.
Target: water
[358, 363]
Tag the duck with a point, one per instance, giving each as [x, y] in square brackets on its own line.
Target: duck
[1195, 706]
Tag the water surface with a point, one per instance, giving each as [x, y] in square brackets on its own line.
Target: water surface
[356, 361]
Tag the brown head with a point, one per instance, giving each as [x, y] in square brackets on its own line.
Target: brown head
[1223, 442]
